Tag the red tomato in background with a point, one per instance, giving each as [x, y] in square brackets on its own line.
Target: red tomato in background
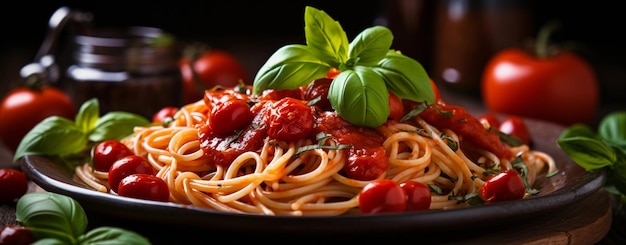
[560, 87]
[13, 184]
[163, 114]
[23, 108]
[505, 186]
[382, 196]
[213, 68]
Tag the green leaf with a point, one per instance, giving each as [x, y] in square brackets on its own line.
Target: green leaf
[116, 125]
[290, 67]
[589, 153]
[578, 129]
[88, 114]
[112, 236]
[53, 136]
[612, 128]
[371, 45]
[51, 215]
[49, 241]
[405, 77]
[360, 97]
[325, 36]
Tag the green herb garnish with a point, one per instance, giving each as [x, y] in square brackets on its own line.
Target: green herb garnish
[369, 69]
[59, 219]
[58, 136]
[601, 150]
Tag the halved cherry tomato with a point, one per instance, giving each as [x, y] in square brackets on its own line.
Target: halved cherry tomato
[125, 166]
[505, 186]
[107, 152]
[516, 126]
[382, 196]
[230, 115]
[290, 120]
[164, 114]
[396, 108]
[417, 194]
[13, 184]
[144, 186]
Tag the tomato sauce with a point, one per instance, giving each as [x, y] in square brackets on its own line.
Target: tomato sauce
[468, 127]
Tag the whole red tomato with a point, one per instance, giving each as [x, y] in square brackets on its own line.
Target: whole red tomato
[211, 68]
[13, 184]
[24, 107]
[560, 87]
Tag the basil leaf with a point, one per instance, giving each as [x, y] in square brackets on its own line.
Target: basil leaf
[405, 77]
[116, 125]
[49, 241]
[579, 129]
[325, 36]
[112, 235]
[290, 67]
[88, 114]
[51, 215]
[53, 136]
[371, 45]
[589, 153]
[360, 97]
[612, 128]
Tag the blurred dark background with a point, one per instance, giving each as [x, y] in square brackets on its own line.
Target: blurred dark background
[252, 30]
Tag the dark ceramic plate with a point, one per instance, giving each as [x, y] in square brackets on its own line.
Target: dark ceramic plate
[572, 184]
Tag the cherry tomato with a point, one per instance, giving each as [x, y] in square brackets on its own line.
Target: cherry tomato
[516, 126]
[436, 91]
[290, 120]
[212, 68]
[332, 73]
[561, 88]
[396, 108]
[16, 235]
[13, 184]
[230, 115]
[319, 89]
[165, 114]
[24, 107]
[382, 196]
[107, 152]
[505, 186]
[144, 186]
[125, 166]
[417, 194]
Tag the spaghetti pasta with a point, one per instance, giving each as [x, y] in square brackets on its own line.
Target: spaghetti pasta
[305, 177]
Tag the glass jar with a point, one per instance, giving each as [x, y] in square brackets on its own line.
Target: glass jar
[133, 70]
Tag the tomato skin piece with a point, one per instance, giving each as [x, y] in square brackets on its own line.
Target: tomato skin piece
[144, 186]
[13, 184]
[290, 120]
[505, 186]
[382, 196]
[213, 68]
[107, 152]
[417, 194]
[125, 166]
[516, 126]
[23, 108]
[562, 88]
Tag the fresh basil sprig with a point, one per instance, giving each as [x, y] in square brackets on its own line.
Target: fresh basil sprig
[58, 219]
[601, 150]
[369, 69]
[58, 136]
